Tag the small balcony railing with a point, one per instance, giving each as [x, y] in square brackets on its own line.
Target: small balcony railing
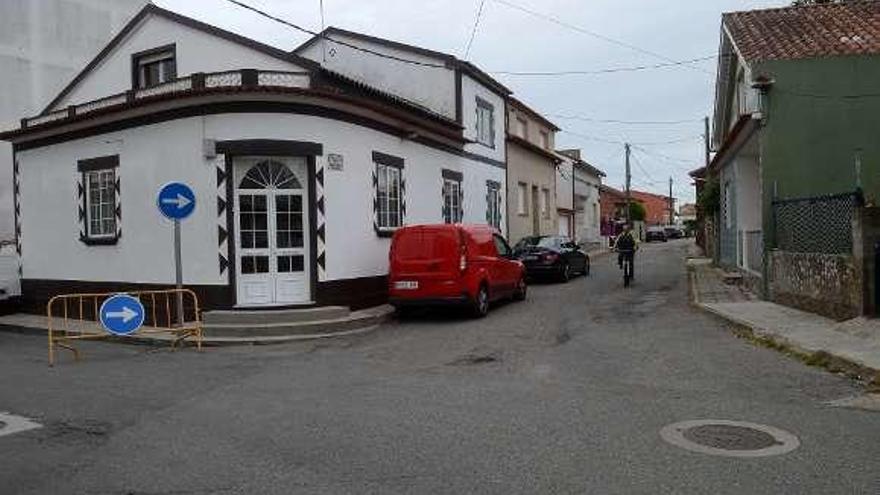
[194, 83]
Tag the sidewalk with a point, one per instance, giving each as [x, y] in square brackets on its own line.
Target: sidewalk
[853, 345]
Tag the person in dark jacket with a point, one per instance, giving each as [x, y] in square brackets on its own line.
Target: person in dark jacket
[625, 245]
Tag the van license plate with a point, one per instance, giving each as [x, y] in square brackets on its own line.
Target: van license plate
[406, 285]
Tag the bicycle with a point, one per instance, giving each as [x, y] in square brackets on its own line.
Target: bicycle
[628, 265]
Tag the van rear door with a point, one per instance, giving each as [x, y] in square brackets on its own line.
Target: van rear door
[426, 255]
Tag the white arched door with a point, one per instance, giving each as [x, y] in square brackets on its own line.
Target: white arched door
[272, 231]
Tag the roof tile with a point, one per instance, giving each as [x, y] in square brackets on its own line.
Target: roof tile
[823, 30]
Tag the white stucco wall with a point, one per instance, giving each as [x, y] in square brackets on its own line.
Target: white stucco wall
[43, 44]
[196, 52]
[470, 90]
[564, 187]
[153, 155]
[587, 215]
[430, 87]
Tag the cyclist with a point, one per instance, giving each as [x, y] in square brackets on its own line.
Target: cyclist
[626, 246]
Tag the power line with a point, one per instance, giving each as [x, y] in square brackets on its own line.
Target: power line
[611, 70]
[323, 36]
[623, 122]
[593, 34]
[467, 50]
[639, 165]
[636, 144]
[666, 157]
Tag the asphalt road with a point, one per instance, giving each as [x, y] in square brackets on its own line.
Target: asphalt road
[564, 393]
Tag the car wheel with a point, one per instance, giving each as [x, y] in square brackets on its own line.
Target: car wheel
[587, 268]
[521, 289]
[565, 273]
[481, 302]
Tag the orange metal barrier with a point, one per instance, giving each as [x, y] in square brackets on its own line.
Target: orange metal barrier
[73, 317]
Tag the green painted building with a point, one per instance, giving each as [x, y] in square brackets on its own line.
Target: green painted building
[797, 115]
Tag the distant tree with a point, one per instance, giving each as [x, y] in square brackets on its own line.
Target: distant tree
[637, 212]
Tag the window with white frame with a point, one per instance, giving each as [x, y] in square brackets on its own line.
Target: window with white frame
[99, 208]
[485, 123]
[545, 203]
[452, 196]
[522, 198]
[154, 67]
[493, 203]
[389, 204]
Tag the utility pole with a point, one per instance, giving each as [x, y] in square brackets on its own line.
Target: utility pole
[628, 179]
[671, 204]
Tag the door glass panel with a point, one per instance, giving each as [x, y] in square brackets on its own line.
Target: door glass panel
[290, 264]
[254, 264]
[253, 221]
[288, 222]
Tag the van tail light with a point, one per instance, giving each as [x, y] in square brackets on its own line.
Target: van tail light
[462, 260]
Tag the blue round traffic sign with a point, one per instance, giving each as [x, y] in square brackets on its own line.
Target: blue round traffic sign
[176, 200]
[122, 314]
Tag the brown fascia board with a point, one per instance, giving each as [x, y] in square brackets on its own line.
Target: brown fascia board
[186, 21]
[467, 67]
[534, 149]
[517, 104]
[590, 168]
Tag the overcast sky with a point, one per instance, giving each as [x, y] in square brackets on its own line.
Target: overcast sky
[509, 39]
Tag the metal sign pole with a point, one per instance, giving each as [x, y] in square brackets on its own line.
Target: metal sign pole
[178, 267]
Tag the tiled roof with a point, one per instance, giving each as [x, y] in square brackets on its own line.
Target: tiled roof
[823, 30]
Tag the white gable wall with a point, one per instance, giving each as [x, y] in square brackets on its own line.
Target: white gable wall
[197, 51]
[430, 87]
[470, 90]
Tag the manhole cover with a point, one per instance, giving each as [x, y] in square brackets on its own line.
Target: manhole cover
[729, 438]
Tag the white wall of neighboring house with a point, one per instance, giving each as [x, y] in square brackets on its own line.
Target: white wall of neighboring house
[196, 51]
[470, 90]
[430, 87]
[43, 44]
[153, 155]
[586, 199]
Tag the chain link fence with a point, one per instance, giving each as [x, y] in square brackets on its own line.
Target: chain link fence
[821, 224]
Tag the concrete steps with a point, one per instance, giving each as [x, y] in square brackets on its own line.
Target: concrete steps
[288, 324]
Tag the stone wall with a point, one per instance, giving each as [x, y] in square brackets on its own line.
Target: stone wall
[827, 284]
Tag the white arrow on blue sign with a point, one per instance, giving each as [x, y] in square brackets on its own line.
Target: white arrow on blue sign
[176, 200]
[122, 314]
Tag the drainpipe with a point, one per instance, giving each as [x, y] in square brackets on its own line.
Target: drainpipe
[763, 84]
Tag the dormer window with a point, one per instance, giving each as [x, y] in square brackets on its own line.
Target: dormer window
[153, 67]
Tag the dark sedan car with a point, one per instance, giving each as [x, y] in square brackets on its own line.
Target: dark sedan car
[552, 255]
[655, 234]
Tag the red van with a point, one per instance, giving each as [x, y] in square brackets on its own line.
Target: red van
[453, 264]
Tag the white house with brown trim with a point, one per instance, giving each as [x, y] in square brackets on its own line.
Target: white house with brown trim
[302, 165]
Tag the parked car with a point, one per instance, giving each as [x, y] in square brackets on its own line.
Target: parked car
[673, 232]
[553, 255]
[655, 234]
[443, 264]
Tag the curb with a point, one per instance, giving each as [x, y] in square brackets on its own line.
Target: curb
[214, 341]
[822, 358]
